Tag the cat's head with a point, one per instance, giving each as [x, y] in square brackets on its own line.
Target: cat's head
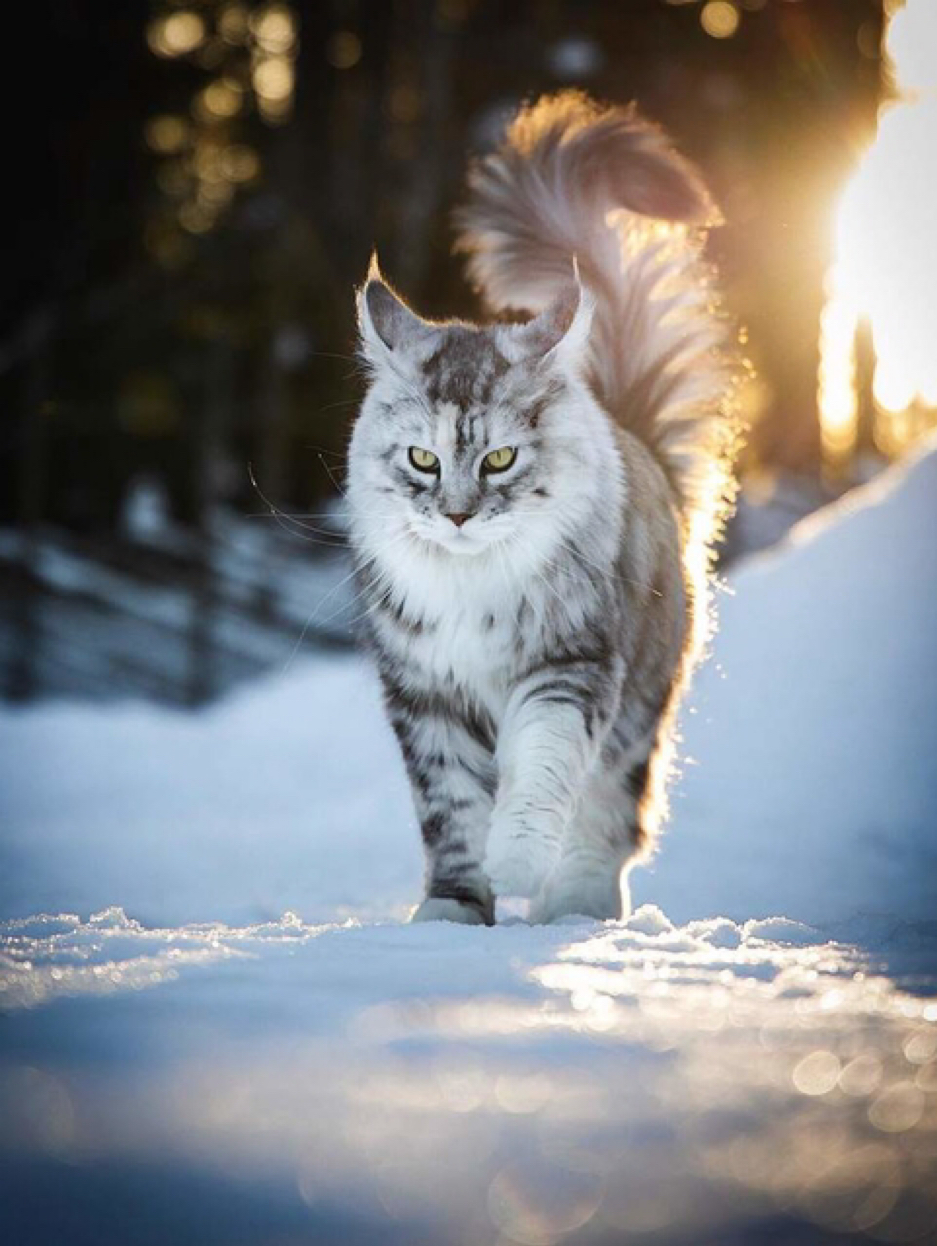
[468, 435]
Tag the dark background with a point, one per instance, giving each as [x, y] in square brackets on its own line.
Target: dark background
[179, 318]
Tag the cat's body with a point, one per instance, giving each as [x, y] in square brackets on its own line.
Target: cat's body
[529, 563]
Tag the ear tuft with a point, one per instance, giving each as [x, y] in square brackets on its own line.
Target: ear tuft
[385, 321]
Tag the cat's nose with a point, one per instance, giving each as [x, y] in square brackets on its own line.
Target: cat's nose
[460, 517]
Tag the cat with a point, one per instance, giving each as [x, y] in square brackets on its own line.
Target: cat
[532, 508]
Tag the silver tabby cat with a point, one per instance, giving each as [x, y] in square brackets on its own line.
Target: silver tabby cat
[532, 507]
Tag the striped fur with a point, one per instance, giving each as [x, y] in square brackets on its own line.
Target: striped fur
[532, 653]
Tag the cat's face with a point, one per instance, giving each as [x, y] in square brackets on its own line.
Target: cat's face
[464, 440]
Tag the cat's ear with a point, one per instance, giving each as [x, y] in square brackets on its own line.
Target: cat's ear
[390, 331]
[559, 332]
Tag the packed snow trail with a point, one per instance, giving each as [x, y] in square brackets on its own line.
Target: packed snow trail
[714, 1082]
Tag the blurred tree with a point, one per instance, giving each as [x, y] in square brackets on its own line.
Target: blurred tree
[219, 171]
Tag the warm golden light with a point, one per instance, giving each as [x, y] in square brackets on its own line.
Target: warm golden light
[249, 51]
[719, 18]
[885, 263]
[273, 78]
[177, 34]
[240, 163]
[216, 194]
[838, 405]
[234, 23]
[221, 99]
[167, 134]
[274, 29]
[208, 162]
[197, 218]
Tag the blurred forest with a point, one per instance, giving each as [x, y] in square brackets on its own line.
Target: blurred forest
[200, 188]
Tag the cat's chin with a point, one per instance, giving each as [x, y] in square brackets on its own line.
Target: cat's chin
[467, 550]
[460, 545]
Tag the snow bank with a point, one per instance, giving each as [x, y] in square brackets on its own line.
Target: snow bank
[809, 785]
[288, 796]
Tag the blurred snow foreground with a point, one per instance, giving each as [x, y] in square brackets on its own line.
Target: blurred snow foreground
[202, 1064]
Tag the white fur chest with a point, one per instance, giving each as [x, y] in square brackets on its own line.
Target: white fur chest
[462, 631]
[467, 651]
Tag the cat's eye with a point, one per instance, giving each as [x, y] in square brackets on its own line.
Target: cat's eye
[423, 460]
[499, 460]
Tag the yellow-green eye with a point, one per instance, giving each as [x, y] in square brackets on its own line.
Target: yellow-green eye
[423, 460]
[499, 460]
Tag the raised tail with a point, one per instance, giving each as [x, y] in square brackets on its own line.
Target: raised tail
[604, 186]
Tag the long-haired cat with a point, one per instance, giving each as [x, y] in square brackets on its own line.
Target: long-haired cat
[532, 508]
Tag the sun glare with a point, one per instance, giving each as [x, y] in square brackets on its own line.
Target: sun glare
[885, 264]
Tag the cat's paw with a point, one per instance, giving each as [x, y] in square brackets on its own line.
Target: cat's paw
[602, 895]
[518, 861]
[444, 909]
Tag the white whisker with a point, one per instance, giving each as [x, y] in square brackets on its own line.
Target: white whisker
[315, 615]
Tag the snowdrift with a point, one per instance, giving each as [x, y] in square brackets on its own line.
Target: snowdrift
[809, 781]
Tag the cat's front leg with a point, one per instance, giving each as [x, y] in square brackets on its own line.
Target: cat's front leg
[555, 724]
[449, 754]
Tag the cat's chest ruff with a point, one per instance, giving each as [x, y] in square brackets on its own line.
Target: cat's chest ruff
[466, 627]
[473, 650]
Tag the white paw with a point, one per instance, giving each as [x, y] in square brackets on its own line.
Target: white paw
[438, 909]
[601, 895]
[518, 861]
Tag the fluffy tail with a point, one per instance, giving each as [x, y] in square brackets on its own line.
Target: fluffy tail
[574, 179]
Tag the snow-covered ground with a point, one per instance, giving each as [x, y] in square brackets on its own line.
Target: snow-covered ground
[218, 1030]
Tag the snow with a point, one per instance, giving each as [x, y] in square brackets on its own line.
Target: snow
[218, 1028]
[811, 781]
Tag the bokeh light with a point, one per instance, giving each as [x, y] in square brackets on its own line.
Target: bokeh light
[274, 29]
[234, 23]
[273, 78]
[240, 163]
[167, 134]
[223, 98]
[719, 18]
[177, 34]
[817, 1073]
[250, 54]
